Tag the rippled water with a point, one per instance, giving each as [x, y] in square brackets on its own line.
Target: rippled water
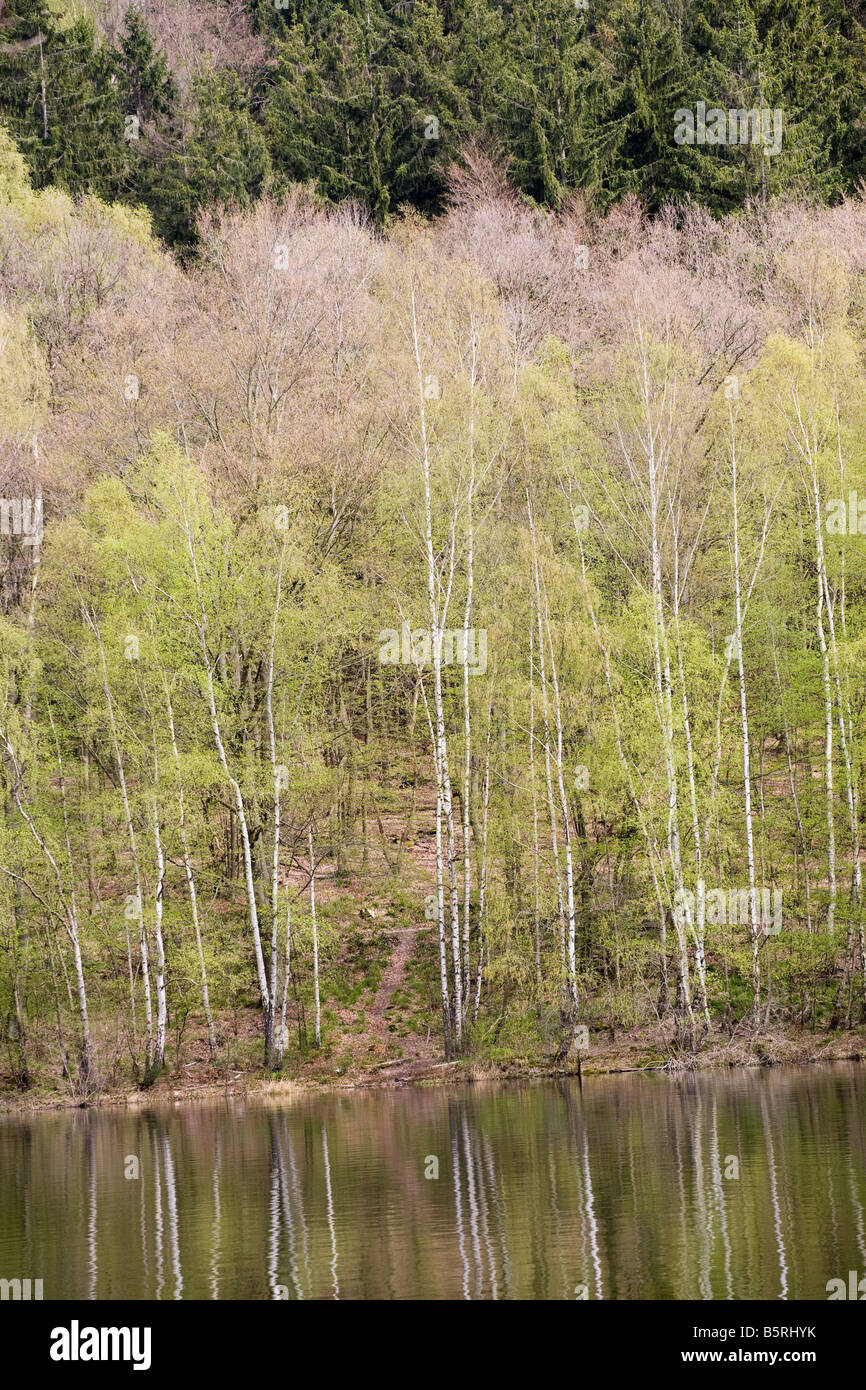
[743, 1185]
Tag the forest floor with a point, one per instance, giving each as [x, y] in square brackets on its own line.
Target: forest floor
[381, 1013]
[422, 1064]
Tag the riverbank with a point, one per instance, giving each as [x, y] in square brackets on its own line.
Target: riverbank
[629, 1053]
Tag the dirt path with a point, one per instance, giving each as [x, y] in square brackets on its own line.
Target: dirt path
[415, 1048]
[392, 979]
[419, 862]
[383, 1033]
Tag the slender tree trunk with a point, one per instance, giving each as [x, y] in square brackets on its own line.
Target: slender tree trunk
[277, 776]
[281, 1035]
[133, 849]
[161, 1002]
[467, 724]
[566, 829]
[440, 902]
[86, 1069]
[535, 878]
[161, 1007]
[828, 752]
[201, 628]
[661, 657]
[315, 939]
[856, 908]
[542, 671]
[438, 614]
[700, 897]
[744, 722]
[482, 877]
[190, 880]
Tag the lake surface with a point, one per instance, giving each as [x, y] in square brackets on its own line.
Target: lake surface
[742, 1185]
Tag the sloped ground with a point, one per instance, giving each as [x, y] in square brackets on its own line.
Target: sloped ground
[380, 1000]
[387, 951]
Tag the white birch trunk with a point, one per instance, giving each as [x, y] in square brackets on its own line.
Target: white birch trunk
[315, 939]
[201, 628]
[467, 725]
[744, 725]
[536, 898]
[276, 775]
[542, 671]
[566, 825]
[161, 1005]
[440, 893]
[437, 615]
[86, 1073]
[482, 878]
[133, 849]
[190, 879]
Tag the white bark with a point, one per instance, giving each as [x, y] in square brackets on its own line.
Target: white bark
[482, 878]
[161, 1007]
[808, 451]
[161, 1002]
[275, 865]
[133, 849]
[315, 939]
[286, 977]
[440, 896]
[661, 658]
[87, 1075]
[700, 898]
[438, 613]
[744, 723]
[828, 748]
[190, 878]
[850, 789]
[542, 671]
[566, 823]
[535, 879]
[467, 724]
[201, 629]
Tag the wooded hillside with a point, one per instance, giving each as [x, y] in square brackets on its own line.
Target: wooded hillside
[442, 633]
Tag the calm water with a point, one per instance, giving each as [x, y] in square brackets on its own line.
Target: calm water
[746, 1185]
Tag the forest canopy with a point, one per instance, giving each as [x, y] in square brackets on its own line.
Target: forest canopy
[501, 574]
[173, 104]
[420, 631]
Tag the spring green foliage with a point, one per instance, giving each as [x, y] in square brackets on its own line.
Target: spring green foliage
[676, 407]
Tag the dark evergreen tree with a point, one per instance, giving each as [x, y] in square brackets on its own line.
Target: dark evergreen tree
[58, 100]
[227, 158]
[153, 130]
[366, 103]
[783, 56]
[373, 99]
[548, 97]
[651, 84]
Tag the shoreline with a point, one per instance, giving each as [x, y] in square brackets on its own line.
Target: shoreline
[622, 1059]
